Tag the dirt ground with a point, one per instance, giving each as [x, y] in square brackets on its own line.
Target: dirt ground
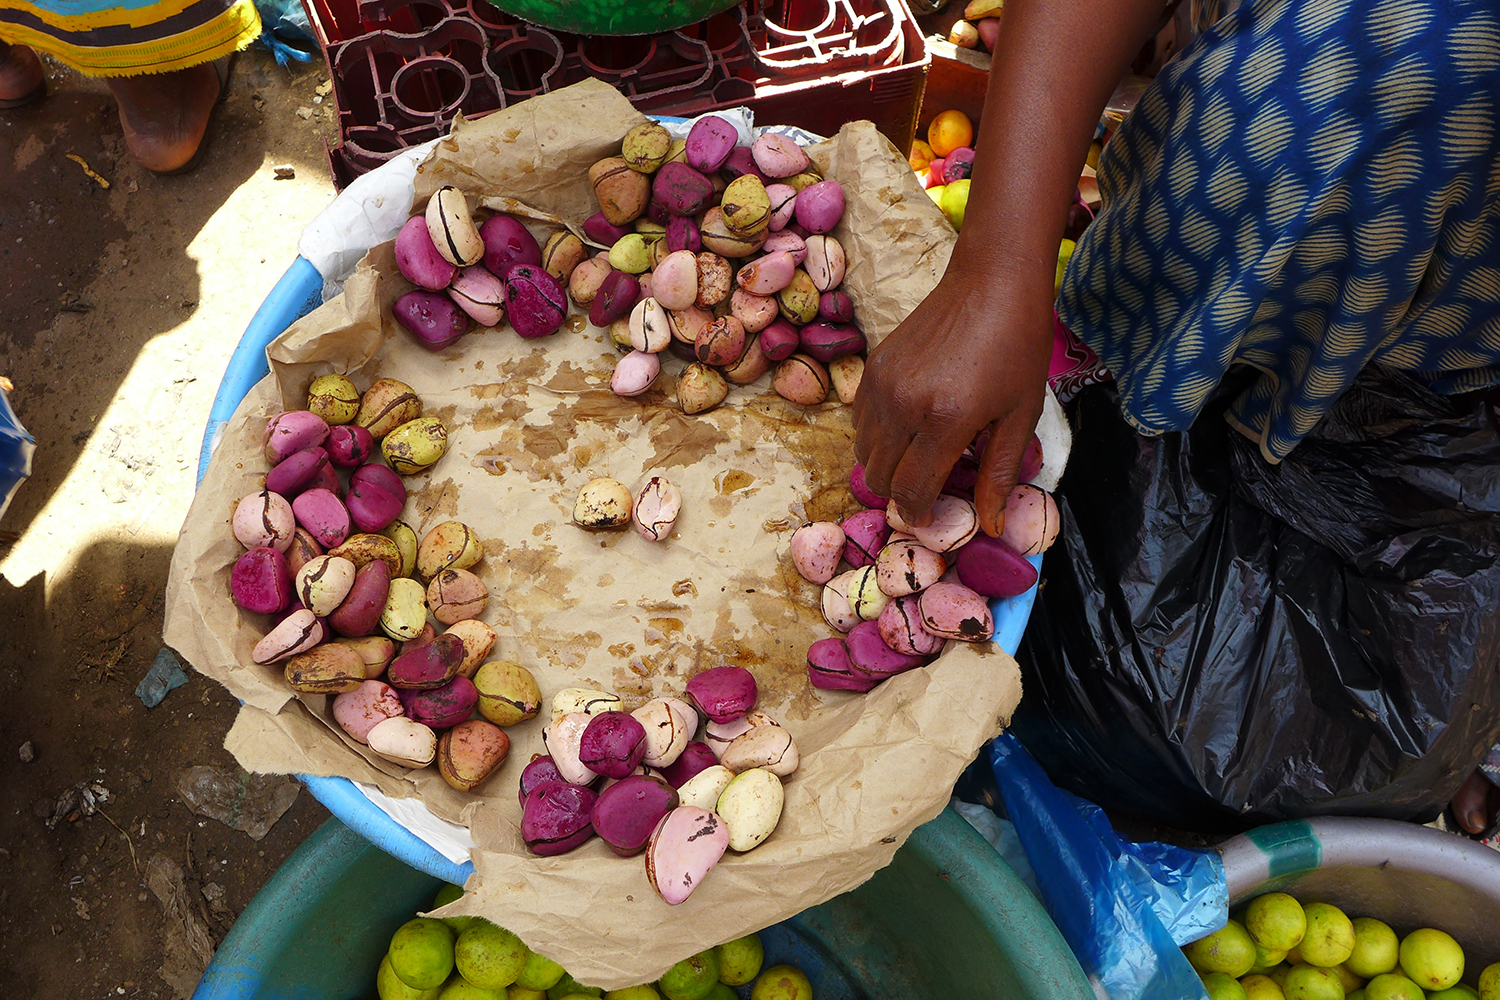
[119, 309]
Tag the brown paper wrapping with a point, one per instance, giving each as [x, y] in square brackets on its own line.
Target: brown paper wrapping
[530, 422]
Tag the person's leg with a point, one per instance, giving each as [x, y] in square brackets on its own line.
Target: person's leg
[20, 72]
[165, 115]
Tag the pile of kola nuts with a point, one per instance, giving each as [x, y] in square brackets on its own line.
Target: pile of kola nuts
[332, 566]
[681, 800]
[718, 252]
[909, 589]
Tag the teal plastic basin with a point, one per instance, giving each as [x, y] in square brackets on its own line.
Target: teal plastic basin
[946, 920]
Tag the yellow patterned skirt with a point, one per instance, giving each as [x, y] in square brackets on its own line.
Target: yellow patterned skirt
[129, 37]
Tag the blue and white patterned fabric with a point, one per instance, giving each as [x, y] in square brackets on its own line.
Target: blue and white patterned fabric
[1311, 186]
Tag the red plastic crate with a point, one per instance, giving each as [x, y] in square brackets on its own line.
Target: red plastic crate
[402, 70]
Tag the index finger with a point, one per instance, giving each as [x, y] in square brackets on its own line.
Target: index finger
[922, 471]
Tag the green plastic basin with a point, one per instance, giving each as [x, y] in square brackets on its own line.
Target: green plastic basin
[611, 17]
[947, 919]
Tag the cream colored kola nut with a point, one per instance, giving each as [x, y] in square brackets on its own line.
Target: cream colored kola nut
[478, 639]
[649, 329]
[403, 741]
[954, 524]
[703, 789]
[452, 227]
[324, 582]
[667, 732]
[866, 598]
[837, 611]
[825, 262]
[845, 373]
[770, 747]
[656, 509]
[602, 504]
[750, 806]
[587, 701]
[563, 739]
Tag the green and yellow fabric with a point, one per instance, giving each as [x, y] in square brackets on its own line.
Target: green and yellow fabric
[128, 37]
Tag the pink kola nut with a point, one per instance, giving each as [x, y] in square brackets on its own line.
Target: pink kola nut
[260, 581]
[709, 143]
[264, 518]
[723, 692]
[480, 294]
[1031, 461]
[613, 744]
[418, 259]
[683, 849]
[862, 491]
[901, 627]
[360, 710]
[816, 548]
[507, 242]
[954, 523]
[779, 156]
[953, 611]
[789, 242]
[865, 534]
[1031, 520]
[324, 516]
[820, 206]
[871, 656]
[290, 432]
[829, 667]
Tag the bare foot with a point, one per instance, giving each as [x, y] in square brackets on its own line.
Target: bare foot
[20, 72]
[166, 114]
[1475, 803]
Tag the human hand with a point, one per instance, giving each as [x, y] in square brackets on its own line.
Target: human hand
[973, 355]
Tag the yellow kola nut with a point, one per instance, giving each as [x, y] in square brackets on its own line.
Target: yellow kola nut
[416, 445]
[334, 398]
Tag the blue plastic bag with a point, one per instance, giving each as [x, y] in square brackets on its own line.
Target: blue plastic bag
[285, 30]
[16, 448]
[1124, 908]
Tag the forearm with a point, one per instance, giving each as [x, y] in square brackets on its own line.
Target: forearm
[1054, 67]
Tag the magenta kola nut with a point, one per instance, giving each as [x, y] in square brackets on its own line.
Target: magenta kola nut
[349, 445]
[723, 692]
[534, 301]
[613, 744]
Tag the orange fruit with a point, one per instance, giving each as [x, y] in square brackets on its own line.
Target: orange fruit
[948, 131]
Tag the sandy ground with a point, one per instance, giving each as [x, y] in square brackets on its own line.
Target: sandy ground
[119, 309]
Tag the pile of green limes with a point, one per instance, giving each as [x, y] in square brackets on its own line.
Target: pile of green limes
[1279, 949]
[469, 958]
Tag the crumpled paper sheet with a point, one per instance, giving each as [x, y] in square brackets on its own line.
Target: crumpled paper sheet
[530, 422]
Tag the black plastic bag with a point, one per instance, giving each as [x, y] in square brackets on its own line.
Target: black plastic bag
[1220, 642]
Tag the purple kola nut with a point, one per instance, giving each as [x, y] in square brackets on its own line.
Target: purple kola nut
[297, 472]
[432, 317]
[441, 707]
[862, 491]
[779, 156]
[953, 611]
[835, 307]
[359, 614]
[993, 569]
[870, 656]
[328, 479]
[260, 581]
[380, 475]
[359, 711]
[616, 297]
[783, 198]
[741, 161]
[507, 243]
[681, 189]
[901, 627]
[557, 817]
[696, 758]
[829, 341]
[613, 744]
[779, 341]
[958, 164]
[535, 301]
[480, 294]
[371, 503]
[789, 242]
[1031, 460]
[290, 432]
[538, 772]
[324, 516]
[962, 478]
[769, 274]
[682, 234]
[418, 259]
[829, 668]
[723, 692]
[820, 206]
[709, 143]
[865, 534]
[603, 232]
[657, 213]
[428, 666]
[628, 811]
[816, 549]
[349, 445]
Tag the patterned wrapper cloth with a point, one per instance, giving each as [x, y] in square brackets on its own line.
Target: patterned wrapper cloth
[129, 37]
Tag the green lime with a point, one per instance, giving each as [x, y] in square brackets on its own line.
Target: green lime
[1489, 982]
[1376, 948]
[1265, 960]
[1228, 950]
[1432, 959]
[1275, 921]
[782, 982]
[1259, 987]
[422, 953]
[1222, 987]
[388, 987]
[459, 988]
[691, 978]
[1329, 940]
[721, 992]
[1459, 992]
[1347, 978]
[447, 894]
[633, 993]
[489, 956]
[1279, 974]
[1309, 982]
[1392, 986]
[740, 960]
[567, 986]
[1358, 994]
[539, 973]
[515, 991]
